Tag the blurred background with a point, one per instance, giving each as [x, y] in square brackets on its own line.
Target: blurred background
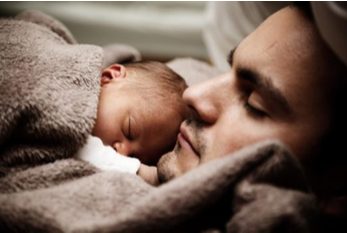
[159, 30]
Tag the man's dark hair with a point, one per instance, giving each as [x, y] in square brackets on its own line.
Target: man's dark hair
[333, 142]
[304, 7]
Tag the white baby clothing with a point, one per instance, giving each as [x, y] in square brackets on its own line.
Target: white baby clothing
[106, 158]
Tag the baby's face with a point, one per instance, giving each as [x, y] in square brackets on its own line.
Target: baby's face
[132, 125]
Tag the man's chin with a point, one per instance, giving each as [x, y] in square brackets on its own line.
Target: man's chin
[167, 167]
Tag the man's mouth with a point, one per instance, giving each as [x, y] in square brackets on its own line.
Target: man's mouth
[184, 140]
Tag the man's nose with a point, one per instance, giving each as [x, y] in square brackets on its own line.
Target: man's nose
[205, 99]
[123, 148]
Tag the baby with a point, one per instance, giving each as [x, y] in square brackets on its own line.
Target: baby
[139, 113]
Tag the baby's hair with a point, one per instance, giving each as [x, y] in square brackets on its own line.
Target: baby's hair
[157, 82]
[159, 73]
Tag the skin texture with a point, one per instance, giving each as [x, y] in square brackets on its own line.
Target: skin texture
[122, 103]
[231, 111]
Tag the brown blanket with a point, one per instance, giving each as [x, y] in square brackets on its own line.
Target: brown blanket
[48, 93]
[48, 97]
[259, 189]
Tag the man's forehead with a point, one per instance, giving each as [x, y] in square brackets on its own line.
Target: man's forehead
[281, 44]
[282, 26]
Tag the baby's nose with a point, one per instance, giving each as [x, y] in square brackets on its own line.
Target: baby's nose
[123, 148]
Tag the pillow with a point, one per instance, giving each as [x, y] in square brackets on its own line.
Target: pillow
[192, 70]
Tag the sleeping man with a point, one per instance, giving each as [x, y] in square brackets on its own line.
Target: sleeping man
[284, 84]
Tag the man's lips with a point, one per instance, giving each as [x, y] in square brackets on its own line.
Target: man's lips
[183, 139]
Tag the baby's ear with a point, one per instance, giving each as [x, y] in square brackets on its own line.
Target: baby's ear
[112, 73]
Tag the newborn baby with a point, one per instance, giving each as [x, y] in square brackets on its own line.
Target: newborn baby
[139, 113]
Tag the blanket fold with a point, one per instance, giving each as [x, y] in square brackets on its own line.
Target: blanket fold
[49, 22]
[49, 88]
[204, 198]
[48, 93]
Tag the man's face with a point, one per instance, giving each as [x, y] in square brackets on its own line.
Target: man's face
[276, 89]
[130, 124]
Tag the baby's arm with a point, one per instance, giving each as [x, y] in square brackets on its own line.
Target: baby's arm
[107, 159]
[148, 174]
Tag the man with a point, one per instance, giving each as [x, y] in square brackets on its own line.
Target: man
[284, 83]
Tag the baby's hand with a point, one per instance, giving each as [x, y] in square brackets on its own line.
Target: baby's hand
[148, 174]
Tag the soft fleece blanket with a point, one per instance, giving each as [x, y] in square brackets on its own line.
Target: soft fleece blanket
[49, 90]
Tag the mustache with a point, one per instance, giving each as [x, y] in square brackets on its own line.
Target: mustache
[196, 126]
[194, 122]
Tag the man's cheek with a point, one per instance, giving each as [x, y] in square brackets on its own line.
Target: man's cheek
[167, 167]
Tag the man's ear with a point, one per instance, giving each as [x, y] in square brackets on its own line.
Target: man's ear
[112, 73]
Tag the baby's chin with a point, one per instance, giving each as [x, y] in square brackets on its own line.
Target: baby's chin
[167, 167]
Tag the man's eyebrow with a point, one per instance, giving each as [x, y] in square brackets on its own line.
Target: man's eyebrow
[230, 57]
[262, 82]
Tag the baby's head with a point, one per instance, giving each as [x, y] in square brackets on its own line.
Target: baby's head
[140, 109]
